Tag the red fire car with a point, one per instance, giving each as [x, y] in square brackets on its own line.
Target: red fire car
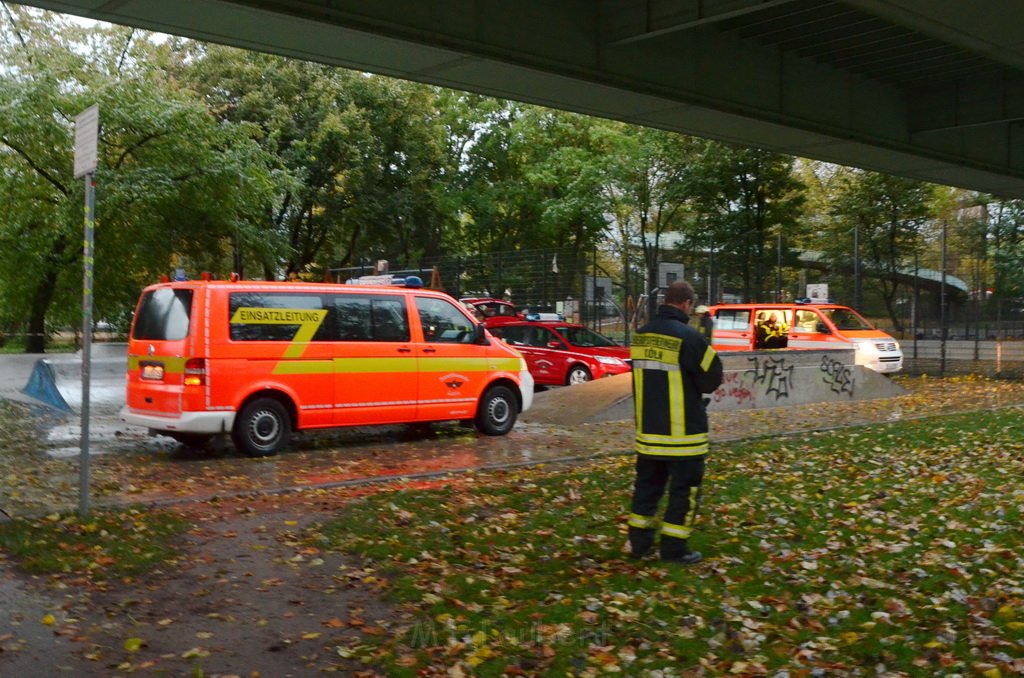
[561, 353]
[492, 312]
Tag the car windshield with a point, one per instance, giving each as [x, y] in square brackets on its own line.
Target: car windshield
[846, 319]
[493, 309]
[581, 336]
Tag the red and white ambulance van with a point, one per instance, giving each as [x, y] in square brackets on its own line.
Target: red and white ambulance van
[261, 359]
[749, 327]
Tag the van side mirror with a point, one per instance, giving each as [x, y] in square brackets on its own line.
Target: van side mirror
[822, 328]
[480, 335]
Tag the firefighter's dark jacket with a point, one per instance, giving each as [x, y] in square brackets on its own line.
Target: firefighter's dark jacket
[671, 420]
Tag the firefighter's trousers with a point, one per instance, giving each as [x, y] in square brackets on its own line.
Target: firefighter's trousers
[683, 477]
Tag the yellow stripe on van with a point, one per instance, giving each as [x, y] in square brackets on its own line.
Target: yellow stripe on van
[484, 364]
[172, 364]
[304, 367]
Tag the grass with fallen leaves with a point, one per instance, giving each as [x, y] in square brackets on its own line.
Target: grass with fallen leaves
[105, 545]
[882, 550]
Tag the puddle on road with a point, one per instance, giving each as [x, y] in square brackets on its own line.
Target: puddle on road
[129, 466]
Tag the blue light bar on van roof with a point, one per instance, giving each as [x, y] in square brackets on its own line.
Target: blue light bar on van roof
[413, 281]
[557, 317]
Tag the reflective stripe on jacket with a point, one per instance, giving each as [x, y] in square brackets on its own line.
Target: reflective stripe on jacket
[672, 367]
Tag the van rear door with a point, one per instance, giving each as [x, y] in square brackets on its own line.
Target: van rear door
[158, 348]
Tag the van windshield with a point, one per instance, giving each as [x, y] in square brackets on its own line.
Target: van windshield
[163, 315]
[846, 319]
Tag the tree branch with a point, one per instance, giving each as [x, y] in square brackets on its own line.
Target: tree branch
[124, 52]
[134, 147]
[14, 25]
[39, 170]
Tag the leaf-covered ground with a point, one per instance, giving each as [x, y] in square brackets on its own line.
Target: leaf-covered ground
[886, 550]
[893, 550]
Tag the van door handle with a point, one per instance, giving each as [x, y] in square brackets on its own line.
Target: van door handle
[430, 350]
[404, 349]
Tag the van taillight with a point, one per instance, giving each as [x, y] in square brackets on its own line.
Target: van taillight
[195, 372]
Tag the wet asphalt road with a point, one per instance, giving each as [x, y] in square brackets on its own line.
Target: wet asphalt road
[127, 465]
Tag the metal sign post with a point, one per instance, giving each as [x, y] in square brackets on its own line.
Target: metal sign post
[86, 132]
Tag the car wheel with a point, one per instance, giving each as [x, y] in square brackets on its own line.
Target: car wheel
[578, 374]
[497, 412]
[262, 428]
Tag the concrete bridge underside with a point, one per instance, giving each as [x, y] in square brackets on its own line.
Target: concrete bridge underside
[931, 89]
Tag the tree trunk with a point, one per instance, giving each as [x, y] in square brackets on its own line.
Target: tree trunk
[36, 341]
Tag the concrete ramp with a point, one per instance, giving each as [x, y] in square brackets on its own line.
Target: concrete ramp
[753, 380]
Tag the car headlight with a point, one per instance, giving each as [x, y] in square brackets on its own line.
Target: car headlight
[607, 360]
[866, 347]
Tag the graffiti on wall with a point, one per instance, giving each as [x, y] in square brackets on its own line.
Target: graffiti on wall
[772, 374]
[837, 376]
[734, 388]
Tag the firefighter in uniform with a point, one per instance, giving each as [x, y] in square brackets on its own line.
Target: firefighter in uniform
[673, 366]
[705, 323]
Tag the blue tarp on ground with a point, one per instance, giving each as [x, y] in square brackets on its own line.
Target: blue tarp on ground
[42, 385]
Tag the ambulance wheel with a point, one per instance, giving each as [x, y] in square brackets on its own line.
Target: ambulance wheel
[577, 375]
[262, 428]
[498, 411]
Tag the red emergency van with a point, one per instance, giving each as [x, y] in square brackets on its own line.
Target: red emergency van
[261, 359]
[748, 327]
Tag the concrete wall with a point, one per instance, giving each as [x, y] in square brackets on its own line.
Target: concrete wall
[763, 379]
[753, 380]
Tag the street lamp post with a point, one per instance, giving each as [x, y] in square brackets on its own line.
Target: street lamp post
[778, 268]
[856, 267]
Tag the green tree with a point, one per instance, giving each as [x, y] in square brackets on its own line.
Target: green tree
[649, 188]
[887, 214]
[362, 169]
[172, 185]
[1006, 240]
[751, 201]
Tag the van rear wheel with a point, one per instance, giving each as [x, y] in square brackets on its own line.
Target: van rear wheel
[262, 428]
[497, 412]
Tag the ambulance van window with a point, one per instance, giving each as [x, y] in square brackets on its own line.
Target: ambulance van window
[388, 318]
[370, 317]
[806, 321]
[263, 316]
[163, 315]
[732, 319]
[443, 322]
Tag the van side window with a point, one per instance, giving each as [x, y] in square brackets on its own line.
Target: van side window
[370, 317]
[443, 322]
[732, 319]
[806, 321]
[264, 316]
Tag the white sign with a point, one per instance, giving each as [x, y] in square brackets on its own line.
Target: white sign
[818, 293]
[87, 126]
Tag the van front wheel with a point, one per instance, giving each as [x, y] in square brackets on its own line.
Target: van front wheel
[498, 411]
[262, 428]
